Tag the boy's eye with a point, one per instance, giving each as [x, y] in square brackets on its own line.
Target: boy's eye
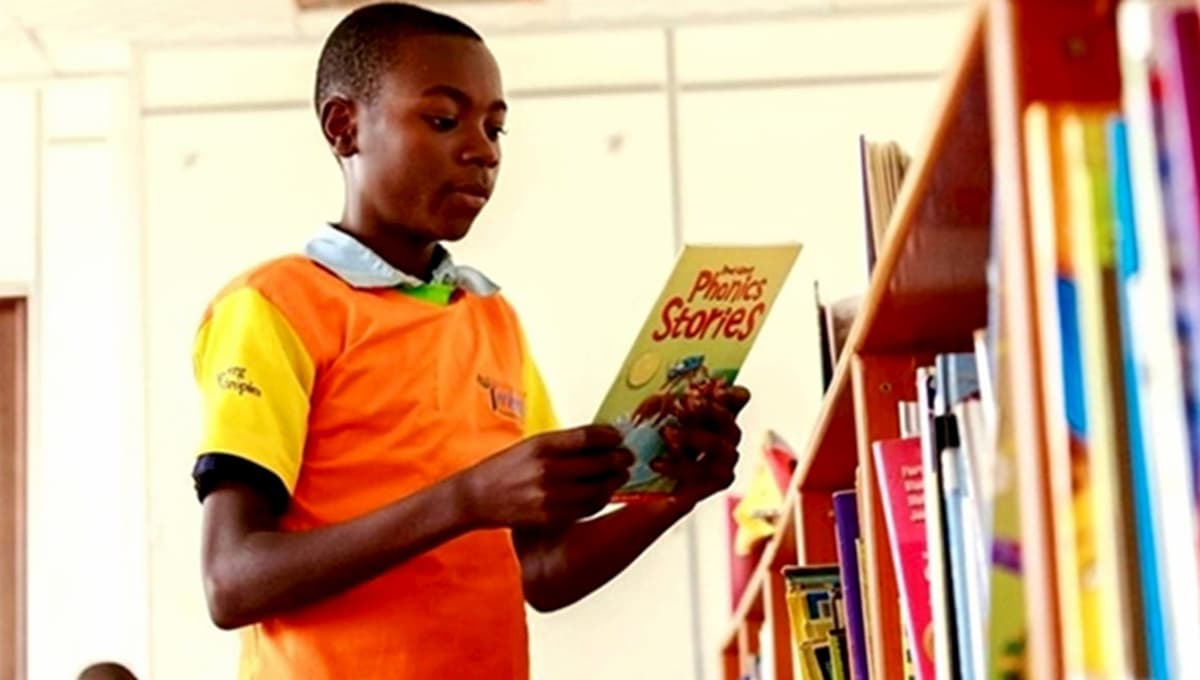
[494, 132]
[441, 123]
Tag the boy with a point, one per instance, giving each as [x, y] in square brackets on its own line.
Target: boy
[378, 501]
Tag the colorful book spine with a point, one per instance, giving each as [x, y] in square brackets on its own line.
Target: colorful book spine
[1063, 405]
[846, 528]
[1119, 649]
[957, 380]
[1177, 34]
[1141, 476]
[934, 514]
[1156, 345]
[899, 465]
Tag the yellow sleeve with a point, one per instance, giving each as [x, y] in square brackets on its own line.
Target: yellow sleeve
[255, 378]
[539, 411]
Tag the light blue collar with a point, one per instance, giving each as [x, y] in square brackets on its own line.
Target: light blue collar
[361, 267]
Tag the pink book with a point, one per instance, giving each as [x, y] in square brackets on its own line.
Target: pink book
[902, 483]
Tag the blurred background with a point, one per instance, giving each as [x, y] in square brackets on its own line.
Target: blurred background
[155, 148]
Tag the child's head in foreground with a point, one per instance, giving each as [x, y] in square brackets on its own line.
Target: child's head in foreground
[411, 103]
[106, 670]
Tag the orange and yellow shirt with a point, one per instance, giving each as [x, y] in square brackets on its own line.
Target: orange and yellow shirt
[337, 385]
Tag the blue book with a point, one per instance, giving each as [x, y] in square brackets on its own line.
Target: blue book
[1128, 265]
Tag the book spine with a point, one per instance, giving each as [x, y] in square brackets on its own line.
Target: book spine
[1160, 382]
[1177, 36]
[845, 513]
[902, 485]
[1139, 466]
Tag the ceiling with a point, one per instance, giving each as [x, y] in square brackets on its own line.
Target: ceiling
[39, 38]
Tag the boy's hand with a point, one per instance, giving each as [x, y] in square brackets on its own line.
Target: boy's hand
[549, 480]
[703, 447]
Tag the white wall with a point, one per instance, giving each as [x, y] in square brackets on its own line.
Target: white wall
[69, 239]
[760, 120]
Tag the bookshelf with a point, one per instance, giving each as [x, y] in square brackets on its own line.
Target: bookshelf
[941, 217]
[928, 294]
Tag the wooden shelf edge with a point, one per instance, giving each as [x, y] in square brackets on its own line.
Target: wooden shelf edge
[897, 234]
[916, 185]
[756, 588]
[903, 219]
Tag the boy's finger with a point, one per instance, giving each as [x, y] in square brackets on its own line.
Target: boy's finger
[734, 398]
[585, 467]
[713, 447]
[714, 419]
[584, 438]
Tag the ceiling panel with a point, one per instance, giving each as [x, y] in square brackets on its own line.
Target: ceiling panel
[155, 20]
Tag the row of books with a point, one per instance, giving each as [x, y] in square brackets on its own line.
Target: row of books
[935, 481]
[1114, 195]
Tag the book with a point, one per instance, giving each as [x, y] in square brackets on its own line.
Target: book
[898, 463]
[1122, 648]
[1064, 410]
[846, 529]
[1160, 385]
[883, 166]
[813, 595]
[694, 341]
[1178, 35]
[1147, 536]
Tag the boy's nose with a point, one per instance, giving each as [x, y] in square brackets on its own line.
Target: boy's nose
[480, 150]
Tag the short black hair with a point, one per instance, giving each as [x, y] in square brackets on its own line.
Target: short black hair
[106, 670]
[362, 46]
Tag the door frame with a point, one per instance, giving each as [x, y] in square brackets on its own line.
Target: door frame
[14, 395]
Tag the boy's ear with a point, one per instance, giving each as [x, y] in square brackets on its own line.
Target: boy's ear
[339, 123]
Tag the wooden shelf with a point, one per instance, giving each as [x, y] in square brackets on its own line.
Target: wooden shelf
[927, 293]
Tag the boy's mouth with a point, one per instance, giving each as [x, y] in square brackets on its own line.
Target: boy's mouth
[470, 195]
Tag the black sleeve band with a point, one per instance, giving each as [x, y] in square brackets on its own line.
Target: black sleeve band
[213, 469]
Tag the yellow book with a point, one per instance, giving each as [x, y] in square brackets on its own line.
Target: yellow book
[1110, 610]
[1066, 462]
[693, 343]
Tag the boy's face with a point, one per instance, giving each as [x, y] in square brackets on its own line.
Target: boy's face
[428, 148]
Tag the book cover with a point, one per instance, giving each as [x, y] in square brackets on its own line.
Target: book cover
[898, 463]
[846, 530]
[971, 473]
[1139, 468]
[956, 380]
[937, 548]
[864, 160]
[827, 361]
[1062, 384]
[695, 340]
[1178, 35]
[1161, 385]
[1122, 646]
[811, 590]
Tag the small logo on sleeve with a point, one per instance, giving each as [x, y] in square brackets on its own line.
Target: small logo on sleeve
[504, 400]
[234, 379]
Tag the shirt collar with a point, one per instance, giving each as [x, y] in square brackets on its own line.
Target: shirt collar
[360, 267]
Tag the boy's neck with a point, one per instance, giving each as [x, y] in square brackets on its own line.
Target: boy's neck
[414, 257]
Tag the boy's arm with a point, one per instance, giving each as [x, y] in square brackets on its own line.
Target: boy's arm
[252, 569]
[563, 567]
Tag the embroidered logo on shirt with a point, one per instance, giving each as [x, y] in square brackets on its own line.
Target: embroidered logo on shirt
[504, 400]
[234, 379]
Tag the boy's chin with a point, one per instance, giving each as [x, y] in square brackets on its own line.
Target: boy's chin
[454, 230]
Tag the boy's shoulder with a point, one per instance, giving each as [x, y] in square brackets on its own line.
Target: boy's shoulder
[285, 278]
[294, 285]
